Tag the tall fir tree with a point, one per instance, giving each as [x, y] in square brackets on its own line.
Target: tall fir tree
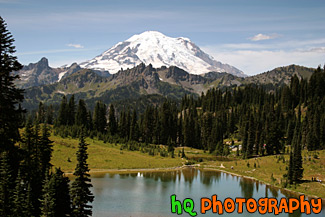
[134, 128]
[290, 169]
[251, 137]
[112, 124]
[45, 150]
[99, 117]
[48, 200]
[19, 197]
[63, 115]
[56, 199]
[82, 115]
[297, 158]
[80, 189]
[49, 114]
[10, 96]
[41, 115]
[71, 111]
[6, 179]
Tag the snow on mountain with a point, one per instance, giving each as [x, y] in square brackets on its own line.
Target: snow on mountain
[62, 74]
[155, 48]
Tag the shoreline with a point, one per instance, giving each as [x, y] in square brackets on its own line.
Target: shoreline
[116, 171]
[265, 183]
[197, 166]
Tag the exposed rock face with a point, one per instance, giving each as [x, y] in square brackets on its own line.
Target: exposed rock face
[40, 73]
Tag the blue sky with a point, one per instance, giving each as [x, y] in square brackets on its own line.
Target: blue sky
[252, 35]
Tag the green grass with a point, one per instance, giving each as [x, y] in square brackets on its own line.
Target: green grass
[105, 156]
[268, 165]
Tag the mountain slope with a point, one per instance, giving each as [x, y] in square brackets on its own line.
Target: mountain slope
[36, 74]
[146, 84]
[127, 85]
[281, 75]
[40, 73]
[154, 48]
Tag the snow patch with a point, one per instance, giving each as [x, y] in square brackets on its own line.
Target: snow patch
[61, 75]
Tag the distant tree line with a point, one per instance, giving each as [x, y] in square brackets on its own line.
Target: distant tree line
[266, 122]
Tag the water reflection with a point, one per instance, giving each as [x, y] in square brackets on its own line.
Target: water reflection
[247, 187]
[274, 192]
[148, 193]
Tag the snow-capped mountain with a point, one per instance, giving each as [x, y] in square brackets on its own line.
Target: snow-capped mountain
[155, 48]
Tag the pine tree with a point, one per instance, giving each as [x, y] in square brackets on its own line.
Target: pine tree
[183, 153]
[56, 199]
[45, 150]
[180, 130]
[26, 143]
[19, 197]
[34, 170]
[206, 129]
[297, 158]
[80, 188]
[99, 117]
[6, 178]
[245, 140]
[60, 185]
[273, 134]
[48, 200]
[49, 114]
[295, 172]
[134, 128]
[112, 125]
[71, 111]
[289, 133]
[63, 116]
[10, 96]
[251, 137]
[290, 169]
[82, 114]
[30, 209]
[41, 113]
[11, 115]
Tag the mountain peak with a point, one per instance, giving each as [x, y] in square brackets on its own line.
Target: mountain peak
[43, 63]
[44, 59]
[146, 35]
[153, 47]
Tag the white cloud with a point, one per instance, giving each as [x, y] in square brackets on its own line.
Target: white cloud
[253, 62]
[79, 46]
[254, 58]
[316, 49]
[260, 37]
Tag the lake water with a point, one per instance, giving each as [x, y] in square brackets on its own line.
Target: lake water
[148, 193]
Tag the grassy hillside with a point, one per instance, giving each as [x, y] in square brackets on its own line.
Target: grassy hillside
[268, 165]
[105, 156]
[268, 169]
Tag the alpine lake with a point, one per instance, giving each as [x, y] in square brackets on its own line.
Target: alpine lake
[149, 193]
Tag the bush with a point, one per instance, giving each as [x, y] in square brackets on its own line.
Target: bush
[272, 178]
[163, 153]
[190, 162]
